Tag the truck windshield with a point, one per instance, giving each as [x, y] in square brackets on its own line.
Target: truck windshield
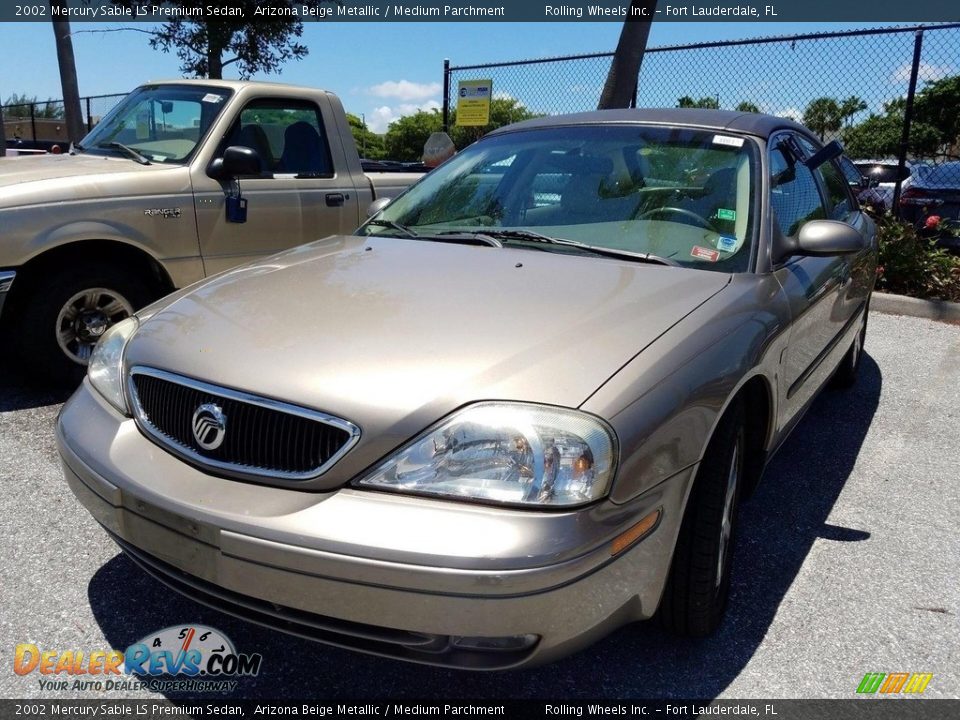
[681, 194]
[160, 123]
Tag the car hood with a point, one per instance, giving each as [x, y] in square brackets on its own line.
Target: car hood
[393, 334]
[56, 178]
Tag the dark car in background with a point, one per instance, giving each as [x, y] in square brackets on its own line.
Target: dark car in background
[934, 192]
[884, 175]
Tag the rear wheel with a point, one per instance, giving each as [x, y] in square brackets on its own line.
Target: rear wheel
[697, 588]
[67, 311]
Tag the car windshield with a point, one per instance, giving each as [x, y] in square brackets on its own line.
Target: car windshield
[676, 193]
[157, 123]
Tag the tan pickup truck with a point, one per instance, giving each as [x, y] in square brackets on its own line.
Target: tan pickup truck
[181, 180]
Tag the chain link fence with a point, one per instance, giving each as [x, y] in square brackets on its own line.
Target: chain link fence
[891, 95]
[42, 124]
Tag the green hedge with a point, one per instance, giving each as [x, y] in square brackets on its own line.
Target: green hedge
[911, 264]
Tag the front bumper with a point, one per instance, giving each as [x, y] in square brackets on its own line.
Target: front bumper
[396, 576]
[6, 282]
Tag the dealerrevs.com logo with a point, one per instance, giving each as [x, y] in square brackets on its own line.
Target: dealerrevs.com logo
[192, 658]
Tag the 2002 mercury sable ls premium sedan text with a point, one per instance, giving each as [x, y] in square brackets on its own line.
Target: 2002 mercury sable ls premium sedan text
[515, 411]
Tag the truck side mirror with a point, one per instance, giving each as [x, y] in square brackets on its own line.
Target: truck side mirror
[376, 206]
[237, 161]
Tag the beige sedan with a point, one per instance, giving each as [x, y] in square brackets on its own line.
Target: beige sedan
[515, 411]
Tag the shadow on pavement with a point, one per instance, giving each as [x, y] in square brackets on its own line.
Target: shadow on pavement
[778, 527]
[20, 392]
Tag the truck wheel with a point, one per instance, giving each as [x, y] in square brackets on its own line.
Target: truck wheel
[697, 588]
[68, 310]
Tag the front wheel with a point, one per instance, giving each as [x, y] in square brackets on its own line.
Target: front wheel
[697, 588]
[68, 310]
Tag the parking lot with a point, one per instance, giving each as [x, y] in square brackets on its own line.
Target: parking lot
[848, 563]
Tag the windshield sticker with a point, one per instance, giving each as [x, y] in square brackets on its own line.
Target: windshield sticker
[726, 243]
[728, 141]
[212, 98]
[725, 214]
[705, 253]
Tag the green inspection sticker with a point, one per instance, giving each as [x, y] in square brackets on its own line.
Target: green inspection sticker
[724, 214]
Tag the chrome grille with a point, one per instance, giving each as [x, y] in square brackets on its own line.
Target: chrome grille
[262, 438]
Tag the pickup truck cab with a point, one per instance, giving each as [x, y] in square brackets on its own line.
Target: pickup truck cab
[151, 200]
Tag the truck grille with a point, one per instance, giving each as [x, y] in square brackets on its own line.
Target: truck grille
[251, 437]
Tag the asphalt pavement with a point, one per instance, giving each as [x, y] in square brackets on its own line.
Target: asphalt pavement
[848, 563]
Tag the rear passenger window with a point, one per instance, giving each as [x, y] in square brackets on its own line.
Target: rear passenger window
[794, 195]
[839, 203]
[287, 134]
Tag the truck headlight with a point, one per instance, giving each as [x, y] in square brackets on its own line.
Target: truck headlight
[105, 368]
[509, 453]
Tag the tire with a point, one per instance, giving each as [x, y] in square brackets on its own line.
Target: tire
[846, 373]
[65, 311]
[695, 596]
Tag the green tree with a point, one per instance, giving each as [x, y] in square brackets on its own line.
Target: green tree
[938, 107]
[255, 44]
[850, 107]
[42, 109]
[405, 137]
[710, 103]
[747, 106]
[823, 115]
[879, 135]
[369, 144]
[503, 111]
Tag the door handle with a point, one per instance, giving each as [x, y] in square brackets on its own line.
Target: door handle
[335, 199]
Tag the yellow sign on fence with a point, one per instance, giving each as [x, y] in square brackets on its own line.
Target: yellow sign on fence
[473, 102]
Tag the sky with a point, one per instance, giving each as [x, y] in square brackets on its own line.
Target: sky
[385, 70]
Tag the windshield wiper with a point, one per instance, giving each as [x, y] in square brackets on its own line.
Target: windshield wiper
[531, 236]
[76, 148]
[393, 226]
[126, 150]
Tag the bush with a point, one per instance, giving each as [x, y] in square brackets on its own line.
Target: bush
[911, 264]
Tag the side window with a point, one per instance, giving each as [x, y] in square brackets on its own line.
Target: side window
[794, 195]
[287, 134]
[839, 202]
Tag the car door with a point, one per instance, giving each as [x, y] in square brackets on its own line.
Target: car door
[814, 286]
[298, 197]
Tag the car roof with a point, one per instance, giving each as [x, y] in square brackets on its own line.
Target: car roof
[724, 120]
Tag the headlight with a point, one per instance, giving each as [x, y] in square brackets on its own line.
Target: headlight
[506, 453]
[105, 368]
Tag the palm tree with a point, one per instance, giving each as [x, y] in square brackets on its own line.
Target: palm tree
[850, 107]
[68, 73]
[822, 116]
[624, 73]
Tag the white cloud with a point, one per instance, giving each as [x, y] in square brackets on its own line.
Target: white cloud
[926, 72]
[405, 90]
[792, 113]
[380, 118]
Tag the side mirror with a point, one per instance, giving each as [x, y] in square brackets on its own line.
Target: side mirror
[237, 161]
[377, 205]
[819, 238]
[828, 237]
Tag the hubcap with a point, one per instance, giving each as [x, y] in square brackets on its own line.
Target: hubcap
[85, 317]
[726, 522]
